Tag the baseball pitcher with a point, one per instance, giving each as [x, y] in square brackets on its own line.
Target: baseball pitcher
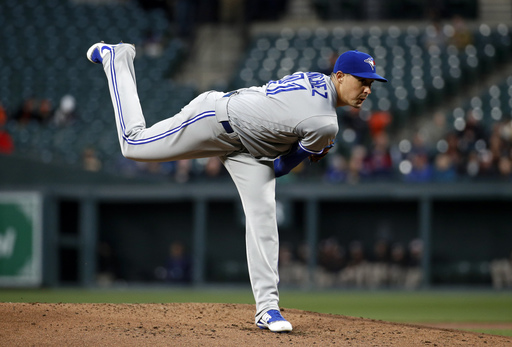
[259, 133]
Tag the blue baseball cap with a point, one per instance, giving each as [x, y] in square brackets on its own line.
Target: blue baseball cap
[358, 64]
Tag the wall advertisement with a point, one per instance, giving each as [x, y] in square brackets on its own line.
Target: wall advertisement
[20, 239]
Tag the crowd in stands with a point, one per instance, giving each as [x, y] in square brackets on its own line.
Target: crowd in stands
[386, 266]
[42, 111]
[181, 171]
[367, 149]
[437, 152]
[466, 150]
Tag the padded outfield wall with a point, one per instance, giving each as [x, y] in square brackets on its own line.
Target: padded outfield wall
[463, 227]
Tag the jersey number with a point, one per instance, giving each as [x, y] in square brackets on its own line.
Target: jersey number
[289, 83]
[285, 84]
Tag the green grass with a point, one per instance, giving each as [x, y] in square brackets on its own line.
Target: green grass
[429, 306]
[397, 306]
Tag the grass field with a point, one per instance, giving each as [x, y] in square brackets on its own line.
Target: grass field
[485, 307]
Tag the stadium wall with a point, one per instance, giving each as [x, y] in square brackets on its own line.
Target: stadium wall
[463, 227]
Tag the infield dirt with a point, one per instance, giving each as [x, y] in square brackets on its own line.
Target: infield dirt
[192, 324]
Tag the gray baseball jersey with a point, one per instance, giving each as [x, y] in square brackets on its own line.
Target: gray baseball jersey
[266, 120]
[299, 107]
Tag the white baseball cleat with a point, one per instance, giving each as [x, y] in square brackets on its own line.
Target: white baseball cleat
[96, 52]
[273, 321]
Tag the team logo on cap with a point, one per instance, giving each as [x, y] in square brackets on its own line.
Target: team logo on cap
[370, 62]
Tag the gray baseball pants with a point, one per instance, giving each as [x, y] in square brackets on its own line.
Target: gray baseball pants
[195, 132]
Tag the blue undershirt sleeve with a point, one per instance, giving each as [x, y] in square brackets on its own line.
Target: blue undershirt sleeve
[285, 163]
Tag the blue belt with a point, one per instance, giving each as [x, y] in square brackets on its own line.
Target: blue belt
[225, 123]
[227, 126]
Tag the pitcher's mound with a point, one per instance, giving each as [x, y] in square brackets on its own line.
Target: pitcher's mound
[36, 324]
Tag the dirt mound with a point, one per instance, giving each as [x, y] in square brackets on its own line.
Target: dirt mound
[25, 324]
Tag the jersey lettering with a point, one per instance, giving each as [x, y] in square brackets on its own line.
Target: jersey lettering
[285, 84]
[318, 83]
[291, 82]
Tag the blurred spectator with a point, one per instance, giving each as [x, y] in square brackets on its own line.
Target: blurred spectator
[419, 144]
[500, 146]
[378, 268]
[183, 171]
[501, 273]
[44, 112]
[414, 274]
[355, 164]
[444, 168]
[336, 171]
[27, 112]
[90, 161]
[353, 275]
[33, 109]
[131, 168]
[331, 255]
[472, 132]
[505, 131]
[378, 123]
[107, 271]
[452, 150]
[472, 165]
[127, 167]
[303, 253]
[65, 114]
[393, 266]
[488, 165]
[397, 267]
[213, 167]
[378, 163]
[152, 168]
[6, 141]
[505, 168]
[178, 265]
[421, 169]
[462, 35]
[499, 140]
[291, 270]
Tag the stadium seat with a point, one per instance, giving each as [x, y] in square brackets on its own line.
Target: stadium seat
[49, 40]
